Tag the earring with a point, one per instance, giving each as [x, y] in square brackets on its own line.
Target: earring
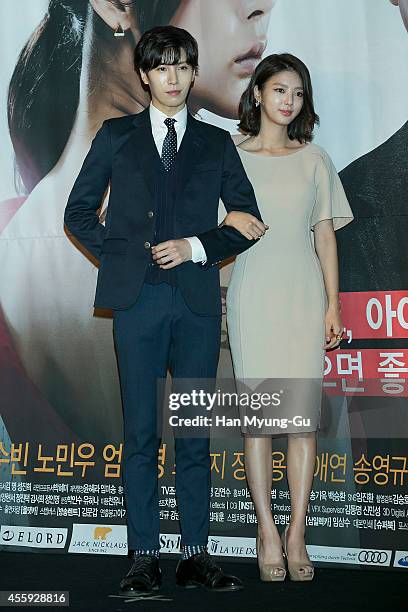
[119, 31]
[257, 103]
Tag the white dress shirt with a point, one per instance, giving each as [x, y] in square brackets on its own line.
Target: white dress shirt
[159, 131]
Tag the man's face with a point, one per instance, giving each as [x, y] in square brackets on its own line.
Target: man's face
[170, 84]
[403, 6]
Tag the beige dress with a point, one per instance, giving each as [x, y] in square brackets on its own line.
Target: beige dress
[276, 300]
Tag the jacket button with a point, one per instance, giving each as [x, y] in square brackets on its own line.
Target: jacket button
[150, 214]
[147, 245]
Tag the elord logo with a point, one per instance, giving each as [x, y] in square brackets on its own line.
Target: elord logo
[34, 537]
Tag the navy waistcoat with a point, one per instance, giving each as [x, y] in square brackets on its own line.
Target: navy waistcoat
[165, 210]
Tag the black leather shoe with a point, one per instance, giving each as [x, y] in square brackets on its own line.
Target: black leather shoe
[200, 570]
[143, 577]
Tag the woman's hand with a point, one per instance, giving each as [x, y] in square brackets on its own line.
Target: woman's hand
[334, 327]
[247, 225]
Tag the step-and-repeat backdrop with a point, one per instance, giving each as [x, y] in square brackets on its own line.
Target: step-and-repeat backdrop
[63, 72]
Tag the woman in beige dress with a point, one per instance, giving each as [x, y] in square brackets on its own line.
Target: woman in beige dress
[283, 308]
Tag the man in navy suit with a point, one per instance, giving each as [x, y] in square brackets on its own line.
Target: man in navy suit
[158, 253]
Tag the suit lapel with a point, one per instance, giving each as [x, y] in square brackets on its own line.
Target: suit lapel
[188, 154]
[145, 149]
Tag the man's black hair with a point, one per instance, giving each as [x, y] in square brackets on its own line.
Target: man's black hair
[164, 45]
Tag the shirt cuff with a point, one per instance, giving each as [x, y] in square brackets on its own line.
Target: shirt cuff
[198, 253]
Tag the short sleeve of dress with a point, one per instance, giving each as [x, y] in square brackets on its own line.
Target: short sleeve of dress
[238, 138]
[331, 201]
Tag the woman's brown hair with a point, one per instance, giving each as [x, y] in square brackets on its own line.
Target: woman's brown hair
[301, 128]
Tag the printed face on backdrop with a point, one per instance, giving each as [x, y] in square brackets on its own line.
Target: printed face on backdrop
[231, 36]
[403, 7]
[170, 83]
[281, 97]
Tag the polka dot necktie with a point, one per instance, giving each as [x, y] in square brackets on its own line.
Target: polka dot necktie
[169, 150]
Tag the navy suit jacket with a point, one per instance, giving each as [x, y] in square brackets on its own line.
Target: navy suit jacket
[121, 155]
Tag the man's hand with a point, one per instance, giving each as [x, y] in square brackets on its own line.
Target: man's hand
[172, 253]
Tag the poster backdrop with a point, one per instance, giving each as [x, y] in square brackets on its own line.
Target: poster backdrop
[63, 73]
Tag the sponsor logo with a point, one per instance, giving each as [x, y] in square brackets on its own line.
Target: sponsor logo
[401, 558]
[99, 539]
[354, 556]
[170, 543]
[225, 546]
[378, 557]
[100, 533]
[34, 537]
[222, 546]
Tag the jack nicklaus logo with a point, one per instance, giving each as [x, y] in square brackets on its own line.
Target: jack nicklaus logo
[91, 538]
[101, 532]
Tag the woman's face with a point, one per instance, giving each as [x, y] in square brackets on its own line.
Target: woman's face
[231, 36]
[281, 97]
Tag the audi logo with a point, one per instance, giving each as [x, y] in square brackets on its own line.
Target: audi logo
[372, 556]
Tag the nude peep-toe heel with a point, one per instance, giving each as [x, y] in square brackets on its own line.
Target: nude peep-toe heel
[269, 572]
[297, 570]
